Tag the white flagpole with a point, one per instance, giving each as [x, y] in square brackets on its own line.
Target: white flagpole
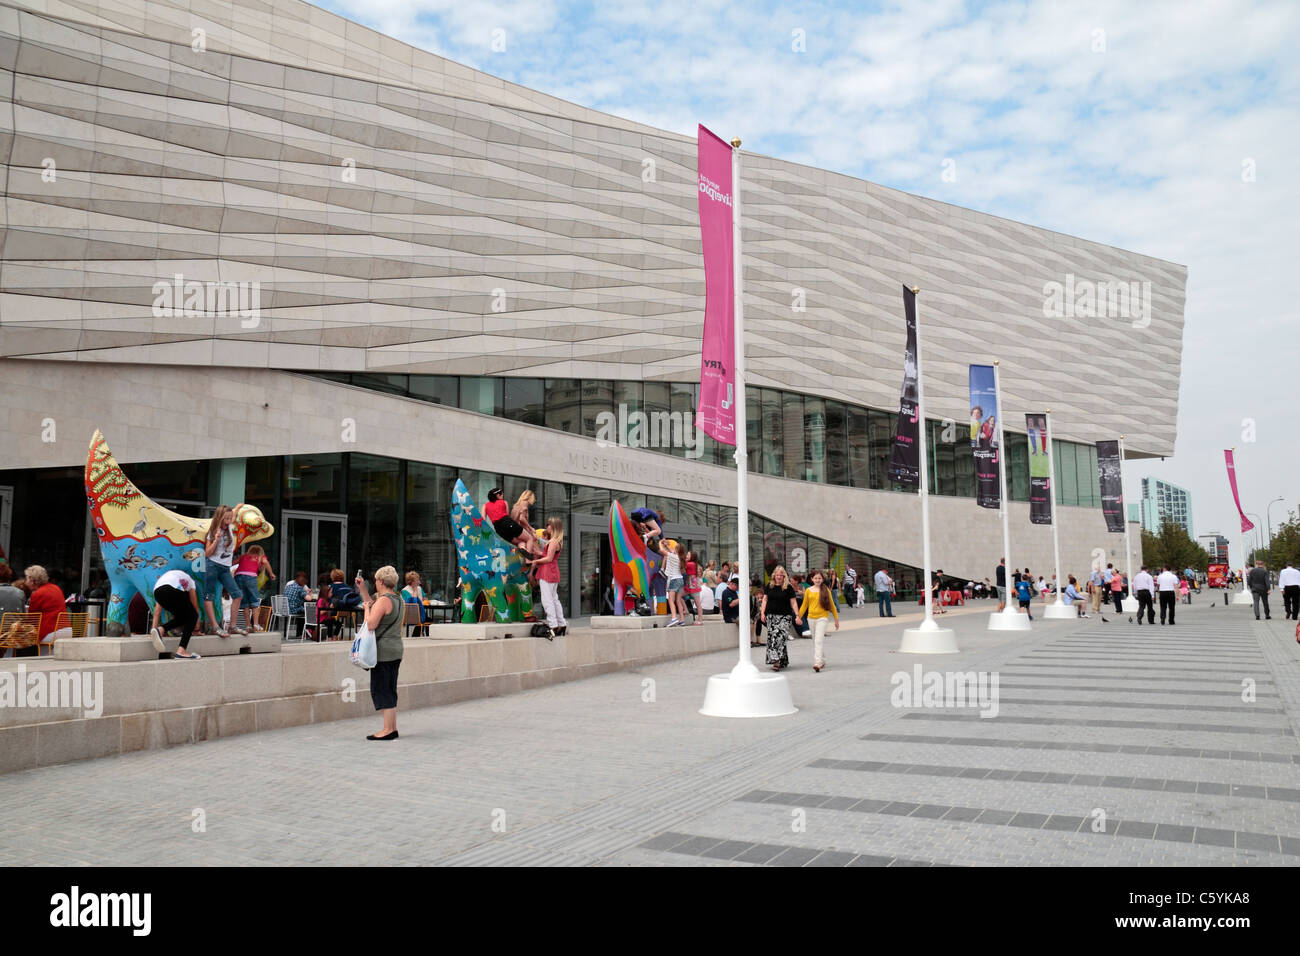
[1242, 596]
[1130, 603]
[744, 692]
[745, 665]
[1059, 609]
[929, 638]
[1010, 619]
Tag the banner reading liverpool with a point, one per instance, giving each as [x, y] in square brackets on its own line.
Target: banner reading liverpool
[904, 464]
[1246, 523]
[1111, 476]
[1040, 475]
[716, 414]
[984, 436]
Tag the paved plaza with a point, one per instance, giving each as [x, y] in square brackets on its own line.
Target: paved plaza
[1112, 745]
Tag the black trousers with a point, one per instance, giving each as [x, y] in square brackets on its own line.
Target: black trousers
[1291, 601]
[1168, 602]
[176, 603]
[1119, 601]
[1146, 606]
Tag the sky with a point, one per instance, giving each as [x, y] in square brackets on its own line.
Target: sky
[1168, 129]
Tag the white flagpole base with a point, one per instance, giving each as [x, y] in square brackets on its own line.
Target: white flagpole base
[928, 638]
[748, 692]
[1060, 611]
[1009, 620]
[1130, 605]
[1243, 597]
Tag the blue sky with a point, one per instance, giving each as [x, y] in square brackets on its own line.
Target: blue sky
[1125, 123]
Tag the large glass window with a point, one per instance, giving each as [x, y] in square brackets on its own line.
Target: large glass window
[430, 550]
[837, 449]
[1085, 458]
[1093, 476]
[793, 433]
[681, 401]
[314, 482]
[392, 384]
[597, 402]
[438, 389]
[1018, 459]
[658, 405]
[881, 437]
[1067, 474]
[482, 395]
[754, 429]
[773, 433]
[963, 456]
[814, 426]
[563, 404]
[859, 446]
[627, 402]
[943, 472]
[522, 400]
[373, 533]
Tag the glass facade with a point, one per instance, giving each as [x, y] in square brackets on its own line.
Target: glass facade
[363, 511]
[789, 434]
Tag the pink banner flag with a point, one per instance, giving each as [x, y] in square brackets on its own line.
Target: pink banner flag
[1246, 523]
[716, 414]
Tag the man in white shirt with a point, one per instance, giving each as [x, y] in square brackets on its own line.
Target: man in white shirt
[1289, 582]
[884, 600]
[1144, 589]
[1168, 585]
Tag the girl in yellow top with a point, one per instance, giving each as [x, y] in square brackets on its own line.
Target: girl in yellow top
[819, 606]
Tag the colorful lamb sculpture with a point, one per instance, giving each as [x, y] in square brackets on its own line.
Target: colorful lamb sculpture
[634, 569]
[488, 565]
[141, 540]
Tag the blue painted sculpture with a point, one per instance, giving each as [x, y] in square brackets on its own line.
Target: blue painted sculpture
[488, 565]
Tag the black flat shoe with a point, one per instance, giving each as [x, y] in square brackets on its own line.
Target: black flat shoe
[392, 736]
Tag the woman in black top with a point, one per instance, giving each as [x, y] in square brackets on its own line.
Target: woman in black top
[778, 613]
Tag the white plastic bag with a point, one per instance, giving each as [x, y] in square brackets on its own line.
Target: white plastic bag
[365, 652]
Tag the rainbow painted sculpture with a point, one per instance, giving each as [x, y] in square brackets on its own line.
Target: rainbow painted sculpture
[488, 565]
[634, 568]
[141, 540]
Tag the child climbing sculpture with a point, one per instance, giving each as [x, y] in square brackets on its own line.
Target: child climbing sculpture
[487, 565]
[507, 524]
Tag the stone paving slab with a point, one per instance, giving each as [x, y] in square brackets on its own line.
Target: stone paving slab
[622, 770]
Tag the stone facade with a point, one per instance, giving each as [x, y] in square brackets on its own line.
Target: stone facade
[400, 212]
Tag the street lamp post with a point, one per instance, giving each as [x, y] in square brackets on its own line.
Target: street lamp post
[1258, 543]
[1268, 513]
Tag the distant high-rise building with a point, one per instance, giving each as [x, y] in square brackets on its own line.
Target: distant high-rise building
[1161, 502]
[1216, 545]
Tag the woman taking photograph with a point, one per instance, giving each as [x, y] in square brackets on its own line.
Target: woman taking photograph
[548, 578]
[778, 612]
[819, 605]
[219, 554]
[384, 617]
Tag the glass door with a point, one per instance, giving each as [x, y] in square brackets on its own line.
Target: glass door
[314, 542]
